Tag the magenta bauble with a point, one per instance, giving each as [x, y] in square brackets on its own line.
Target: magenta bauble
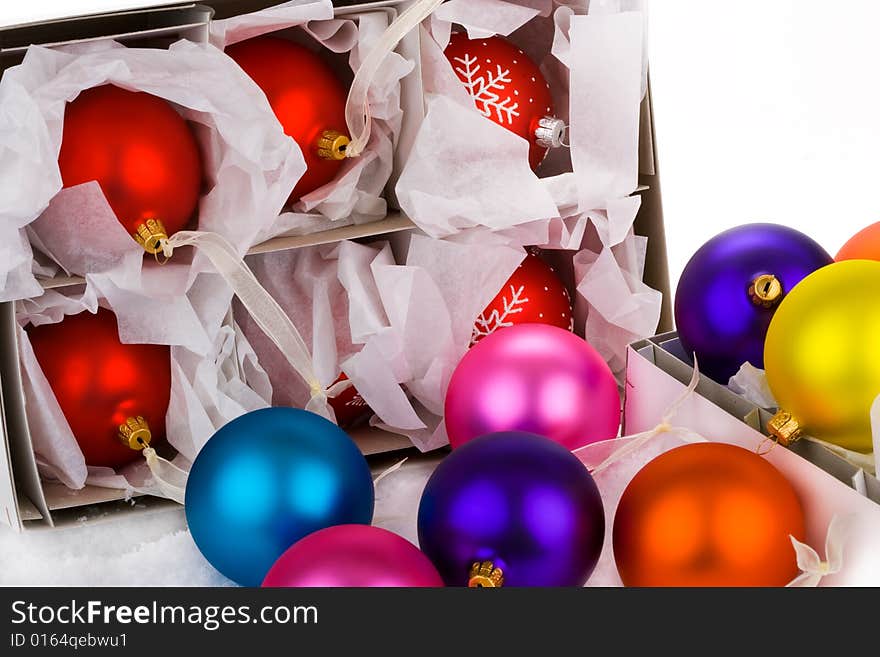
[352, 555]
[535, 378]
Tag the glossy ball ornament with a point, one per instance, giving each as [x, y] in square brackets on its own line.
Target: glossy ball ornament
[353, 556]
[864, 245]
[821, 355]
[533, 294]
[707, 514]
[535, 378]
[731, 287]
[350, 408]
[508, 88]
[266, 480]
[512, 509]
[308, 99]
[141, 152]
[100, 383]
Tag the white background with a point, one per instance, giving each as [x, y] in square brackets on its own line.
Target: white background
[765, 110]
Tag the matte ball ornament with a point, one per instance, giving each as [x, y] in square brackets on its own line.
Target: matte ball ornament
[353, 556]
[532, 294]
[350, 408]
[512, 509]
[822, 358]
[508, 88]
[308, 100]
[864, 245]
[536, 378]
[707, 514]
[143, 155]
[113, 395]
[731, 287]
[266, 480]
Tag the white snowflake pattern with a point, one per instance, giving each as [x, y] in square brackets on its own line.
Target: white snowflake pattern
[486, 88]
[499, 318]
[357, 401]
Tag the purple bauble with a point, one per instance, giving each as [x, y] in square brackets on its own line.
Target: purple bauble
[512, 502]
[352, 556]
[536, 378]
[731, 287]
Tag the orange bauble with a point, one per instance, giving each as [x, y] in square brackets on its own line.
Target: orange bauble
[707, 514]
[864, 245]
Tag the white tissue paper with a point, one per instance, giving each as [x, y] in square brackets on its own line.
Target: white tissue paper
[750, 382]
[396, 331]
[250, 165]
[355, 196]
[328, 293]
[208, 390]
[466, 171]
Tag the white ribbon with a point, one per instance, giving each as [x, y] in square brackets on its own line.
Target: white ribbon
[813, 569]
[268, 315]
[357, 107]
[271, 319]
[394, 468]
[635, 442]
[170, 479]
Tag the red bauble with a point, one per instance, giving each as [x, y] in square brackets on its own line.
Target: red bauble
[305, 95]
[532, 295]
[505, 84]
[140, 151]
[350, 408]
[100, 383]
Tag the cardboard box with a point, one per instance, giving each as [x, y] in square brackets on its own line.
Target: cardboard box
[27, 503]
[826, 484]
[666, 353]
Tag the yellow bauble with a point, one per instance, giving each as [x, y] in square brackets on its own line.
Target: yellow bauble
[822, 352]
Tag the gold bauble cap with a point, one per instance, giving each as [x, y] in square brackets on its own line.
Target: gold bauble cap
[332, 145]
[785, 428]
[135, 433]
[150, 235]
[550, 132]
[766, 290]
[484, 574]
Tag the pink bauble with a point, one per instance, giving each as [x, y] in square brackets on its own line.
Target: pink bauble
[352, 556]
[536, 378]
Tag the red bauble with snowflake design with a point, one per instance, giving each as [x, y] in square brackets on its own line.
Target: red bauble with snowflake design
[532, 295]
[349, 407]
[508, 88]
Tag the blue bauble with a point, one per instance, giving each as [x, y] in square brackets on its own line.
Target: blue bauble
[267, 479]
[512, 501]
[730, 289]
